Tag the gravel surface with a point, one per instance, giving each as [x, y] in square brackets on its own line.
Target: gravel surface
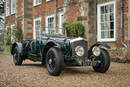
[32, 74]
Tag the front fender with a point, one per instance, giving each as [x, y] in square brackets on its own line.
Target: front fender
[19, 45]
[54, 42]
[101, 44]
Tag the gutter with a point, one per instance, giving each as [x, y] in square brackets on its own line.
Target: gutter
[95, 21]
[122, 29]
[56, 16]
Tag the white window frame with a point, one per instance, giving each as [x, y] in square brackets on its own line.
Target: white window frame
[13, 9]
[12, 37]
[99, 27]
[47, 23]
[34, 30]
[7, 8]
[35, 3]
[60, 22]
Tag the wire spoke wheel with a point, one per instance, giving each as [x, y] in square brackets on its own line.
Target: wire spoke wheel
[16, 57]
[54, 61]
[105, 62]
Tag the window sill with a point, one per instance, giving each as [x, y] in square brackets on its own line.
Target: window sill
[107, 41]
[13, 13]
[7, 15]
[37, 5]
[49, 1]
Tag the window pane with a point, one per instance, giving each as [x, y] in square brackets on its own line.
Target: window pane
[48, 20]
[102, 35]
[102, 10]
[112, 25]
[102, 26]
[106, 9]
[111, 34]
[106, 34]
[112, 8]
[107, 25]
[107, 17]
[102, 18]
[111, 17]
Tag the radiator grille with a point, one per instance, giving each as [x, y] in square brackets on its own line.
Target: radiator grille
[82, 43]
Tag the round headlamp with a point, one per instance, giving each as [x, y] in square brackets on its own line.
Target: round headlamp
[79, 51]
[96, 51]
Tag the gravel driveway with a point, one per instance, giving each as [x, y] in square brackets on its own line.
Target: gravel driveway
[32, 74]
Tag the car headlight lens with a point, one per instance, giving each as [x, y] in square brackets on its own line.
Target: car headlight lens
[96, 51]
[79, 51]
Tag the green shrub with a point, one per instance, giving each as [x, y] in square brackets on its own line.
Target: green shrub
[1, 46]
[8, 48]
[74, 30]
[66, 27]
[8, 35]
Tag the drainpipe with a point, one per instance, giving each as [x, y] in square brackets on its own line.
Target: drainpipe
[122, 28]
[56, 16]
[95, 21]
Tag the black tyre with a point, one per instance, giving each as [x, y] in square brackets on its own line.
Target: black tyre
[105, 62]
[17, 57]
[54, 61]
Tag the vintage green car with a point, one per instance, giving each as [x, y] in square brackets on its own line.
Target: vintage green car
[57, 52]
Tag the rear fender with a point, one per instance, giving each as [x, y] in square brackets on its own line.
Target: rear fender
[19, 45]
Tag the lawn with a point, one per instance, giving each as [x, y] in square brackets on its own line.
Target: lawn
[5, 53]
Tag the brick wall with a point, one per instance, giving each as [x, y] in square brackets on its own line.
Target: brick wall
[10, 19]
[19, 8]
[73, 11]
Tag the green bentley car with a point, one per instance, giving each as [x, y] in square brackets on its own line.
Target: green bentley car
[57, 52]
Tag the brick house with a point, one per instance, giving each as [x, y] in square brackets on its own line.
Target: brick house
[39, 16]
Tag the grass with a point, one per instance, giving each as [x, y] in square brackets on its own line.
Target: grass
[5, 53]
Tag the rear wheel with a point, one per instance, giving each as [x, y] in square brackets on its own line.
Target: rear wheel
[17, 57]
[54, 61]
[105, 62]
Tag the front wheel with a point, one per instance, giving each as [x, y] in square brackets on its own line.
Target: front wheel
[105, 62]
[17, 57]
[54, 61]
